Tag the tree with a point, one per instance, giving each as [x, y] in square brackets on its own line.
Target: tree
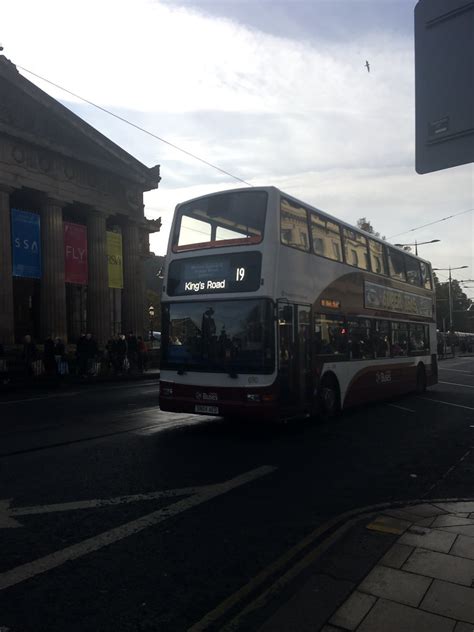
[462, 318]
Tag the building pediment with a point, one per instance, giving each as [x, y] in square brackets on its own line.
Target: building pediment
[31, 116]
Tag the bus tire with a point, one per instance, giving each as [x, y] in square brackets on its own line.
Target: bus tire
[329, 399]
[420, 379]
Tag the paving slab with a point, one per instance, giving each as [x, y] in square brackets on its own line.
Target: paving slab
[397, 555]
[456, 507]
[426, 510]
[433, 539]
[310, 608]
[463, 546]
[463, 627]
[388, 524]
[387, 616]
[441, 566]
[351, 613]
[451, 520]
[396, 585]
[450, 600]
[464, 530]
[405, 514]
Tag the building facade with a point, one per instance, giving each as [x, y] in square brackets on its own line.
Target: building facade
[73, 234]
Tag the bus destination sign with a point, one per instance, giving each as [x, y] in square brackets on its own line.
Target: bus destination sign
[234, 272]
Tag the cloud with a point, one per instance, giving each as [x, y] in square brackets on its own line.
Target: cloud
[270, 107]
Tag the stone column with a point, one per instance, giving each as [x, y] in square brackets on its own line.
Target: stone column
[133, 301]
[53, 320]
[98, 308]
[6, 280]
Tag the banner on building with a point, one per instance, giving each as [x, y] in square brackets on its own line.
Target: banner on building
[115, 259]
[26, 244]
[75, 253]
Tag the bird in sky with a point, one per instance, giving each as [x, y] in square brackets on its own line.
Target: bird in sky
[367, 65]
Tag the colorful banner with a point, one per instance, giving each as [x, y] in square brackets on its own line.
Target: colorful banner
[75, 253]
[392, 300]
[114, 256]
[26, 244]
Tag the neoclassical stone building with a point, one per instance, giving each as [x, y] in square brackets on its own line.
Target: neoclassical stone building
[73, 235]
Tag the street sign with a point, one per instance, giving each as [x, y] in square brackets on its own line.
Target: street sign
[444, 84]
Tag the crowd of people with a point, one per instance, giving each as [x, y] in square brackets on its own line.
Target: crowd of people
[123, 354]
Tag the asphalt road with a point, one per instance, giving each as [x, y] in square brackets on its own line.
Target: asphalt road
[117, 516]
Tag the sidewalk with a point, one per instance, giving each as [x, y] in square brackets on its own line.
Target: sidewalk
[408, 569]
[20, 383]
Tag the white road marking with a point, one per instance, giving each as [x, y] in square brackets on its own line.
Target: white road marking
[442, 368]
[439, 401]
[8, 513]
[75, 551]
[455, 384]
[408, 410]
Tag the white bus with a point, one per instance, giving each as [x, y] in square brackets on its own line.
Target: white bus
[273, 309]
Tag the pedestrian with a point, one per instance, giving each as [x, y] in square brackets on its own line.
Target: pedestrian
[122, 360]
[48, 357]
[92, 355]
[81, 355]
[30, 357]
[141, 354]
[132, 351]
[4, 377]
[62, 367]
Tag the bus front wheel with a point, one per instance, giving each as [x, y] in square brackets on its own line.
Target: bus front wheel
[329, 401]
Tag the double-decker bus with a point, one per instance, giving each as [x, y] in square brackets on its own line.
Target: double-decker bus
[273, 309]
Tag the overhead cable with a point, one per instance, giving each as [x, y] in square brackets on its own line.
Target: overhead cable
[141, 129]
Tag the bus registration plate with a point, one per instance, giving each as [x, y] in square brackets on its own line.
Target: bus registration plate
[209, 410]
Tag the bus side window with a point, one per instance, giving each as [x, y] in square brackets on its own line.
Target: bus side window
[413, 270]
[294, 226]
[425, 275]
[396, 263]
[360, 339]
[381, 338]
[419, 341]
[326, 237]
[377, 259]
[330, 336]
[355, 249]
[399, 345]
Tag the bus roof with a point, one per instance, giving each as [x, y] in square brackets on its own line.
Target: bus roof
[310, 206]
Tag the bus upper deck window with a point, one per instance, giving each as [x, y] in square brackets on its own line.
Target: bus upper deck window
[326, 237]
[396, 262]
[425, 275]
[294, 225]
[377, 259]
[355, 249]
[413, 270]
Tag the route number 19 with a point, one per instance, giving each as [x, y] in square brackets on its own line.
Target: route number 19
[240, 274]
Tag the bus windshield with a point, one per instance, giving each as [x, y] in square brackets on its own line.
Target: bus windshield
[233, 336]
[221, 220]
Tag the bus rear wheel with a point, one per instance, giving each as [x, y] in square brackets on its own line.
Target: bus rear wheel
[329, 400]
[420, 379]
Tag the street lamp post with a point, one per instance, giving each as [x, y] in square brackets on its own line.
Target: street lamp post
[418, 243]
[450, 294]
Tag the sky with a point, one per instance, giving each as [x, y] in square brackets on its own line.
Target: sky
[274, 92]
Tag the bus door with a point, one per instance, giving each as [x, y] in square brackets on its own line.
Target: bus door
[294, 354]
